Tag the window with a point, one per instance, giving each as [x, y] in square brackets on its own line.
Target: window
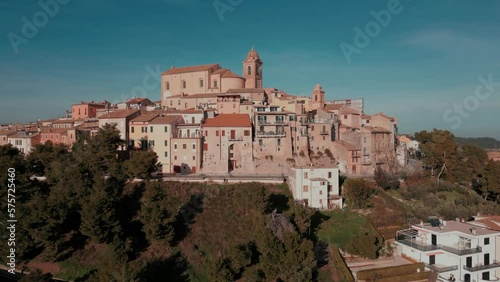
[329, 174]
[292, 118]
[345, 116]
[223, 132]
[166, 154]
[305, 175]
[279, 142]
[175, 146]
[215, 83]
[171, 102]
[217, 133]
[166, 143]
[132, 129]
[249, 70]
[206, 132]
[175, 158]
[201, 82]
[246, 133]
[184, 146]
[486, 241]
[167, 85]
[185, 105]
[205, 147]
[151, 129]
[166, 128]
[305, 188]
[312, 128]
[194, 158]
[321, 192]
[261, 142]
[194, 146]
[234, 106]
[51, 136]
[183, 84]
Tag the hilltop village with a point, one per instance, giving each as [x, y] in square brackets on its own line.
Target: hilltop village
[211, 120]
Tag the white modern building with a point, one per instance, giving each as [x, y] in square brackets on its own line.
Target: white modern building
[316, 187]
[457, 251]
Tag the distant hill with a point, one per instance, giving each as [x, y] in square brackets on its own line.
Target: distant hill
[483, 142]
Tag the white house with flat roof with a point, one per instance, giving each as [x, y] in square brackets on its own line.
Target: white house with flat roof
[316, 187]
[458, 251]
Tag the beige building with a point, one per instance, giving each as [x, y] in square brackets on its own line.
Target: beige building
[227, 144]
[121, 119]
[4, 136]
[162, 131]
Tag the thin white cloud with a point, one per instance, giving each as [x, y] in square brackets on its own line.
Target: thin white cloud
[448, 41]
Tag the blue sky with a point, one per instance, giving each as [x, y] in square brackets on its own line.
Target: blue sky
[427, 59]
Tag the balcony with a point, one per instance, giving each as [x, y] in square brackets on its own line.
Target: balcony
[419, 246]
[495, 264]
[324, 132]
[270, 134]
[461, 251]
[236, 138]
[441, 268]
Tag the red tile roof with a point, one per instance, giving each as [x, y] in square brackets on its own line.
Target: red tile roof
[228, 120]
[137, 100]
[189, 69]
[166, 119]
[144, 117]
[347, 145]
[346, 110]
[332, 107]
[246, 90]
[119, 114]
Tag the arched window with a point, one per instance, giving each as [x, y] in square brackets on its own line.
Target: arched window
[249, 70]
[183, 84]
[315, 97]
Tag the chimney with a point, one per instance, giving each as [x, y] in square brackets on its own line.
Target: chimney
[473, 230]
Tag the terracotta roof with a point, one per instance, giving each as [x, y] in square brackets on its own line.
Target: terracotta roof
[56, 130]
[8, 132]
[137, 100]
[347, 145]
[166, 119]
[144, 117]
[230, 74]
[63, 121]
[228, 120]
[175, 70]
[382, 115]
[332, 107]
[346, 110]
[493, 155]
[119, 114]
[186, 111]
[246, 90]
[366, 116]
[376, 129]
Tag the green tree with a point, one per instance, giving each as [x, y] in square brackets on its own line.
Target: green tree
[99, 215]
[156, 214]
[385, 180]
[141, 164]
[357, 193]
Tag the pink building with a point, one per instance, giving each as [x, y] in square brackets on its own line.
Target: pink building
[87, 110]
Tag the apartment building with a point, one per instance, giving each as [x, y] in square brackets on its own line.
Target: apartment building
[454, 249]
[24, 141]
[121, 119]
[316, 187]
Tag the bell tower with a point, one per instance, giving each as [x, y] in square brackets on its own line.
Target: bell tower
[318, 97]
[252, 70]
